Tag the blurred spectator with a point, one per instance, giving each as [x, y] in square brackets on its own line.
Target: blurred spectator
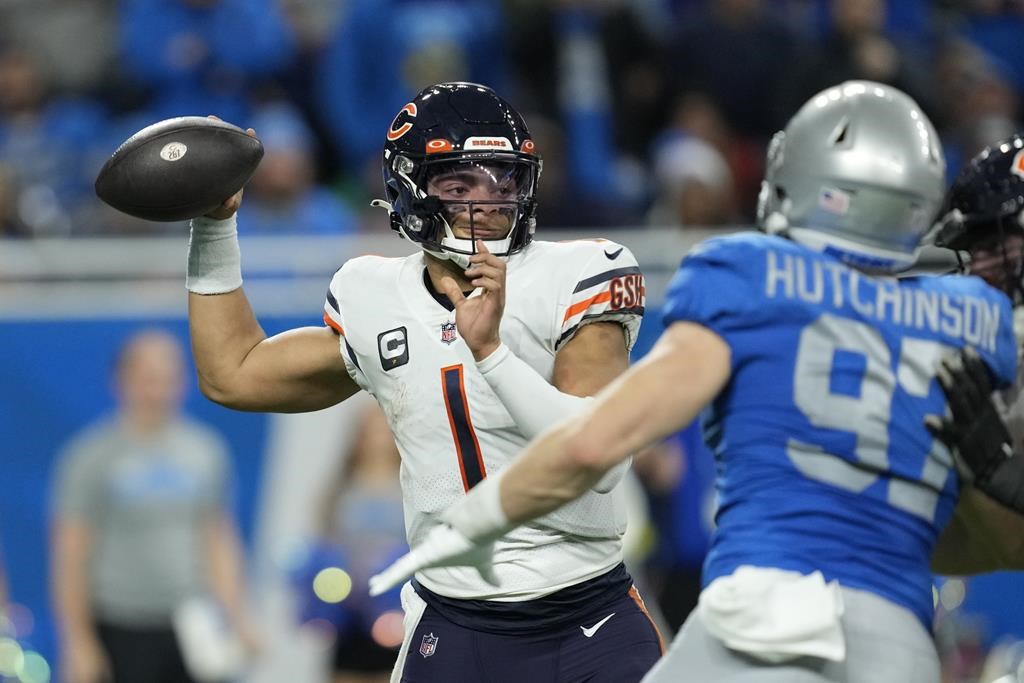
[694, 185]
[958, 638]
[312, 22]
[695, 115]
[46, 141]
[76, 39]
[283, 198]
[908, 22]
[558, 200]
[857, 47]
[979, 105]
[740, 55]
[141, 526]
[596, 67]
[362, 530]
[1005, 663]
[996, 26]
[11, 224]
[384, 52]
[197, 57]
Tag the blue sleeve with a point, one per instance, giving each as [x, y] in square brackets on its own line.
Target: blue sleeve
[715, 287]
[1003, 362]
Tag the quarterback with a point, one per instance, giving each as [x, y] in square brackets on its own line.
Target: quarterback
[818, 369]
[472, 346]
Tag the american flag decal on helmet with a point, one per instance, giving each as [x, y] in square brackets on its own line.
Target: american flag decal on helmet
[834, 201]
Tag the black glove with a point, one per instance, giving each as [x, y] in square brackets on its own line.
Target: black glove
[976, 433]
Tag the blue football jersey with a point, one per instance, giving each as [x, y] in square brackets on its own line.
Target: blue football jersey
[824, 462]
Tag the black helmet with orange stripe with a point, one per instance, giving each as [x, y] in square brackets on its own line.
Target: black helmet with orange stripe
[984, 216]
[460, 131]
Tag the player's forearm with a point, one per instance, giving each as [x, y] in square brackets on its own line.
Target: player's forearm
[534, 404]
[70, 582]
[224, 332]
[223, 328]
[547, 476]
[656, 397]
[74, 614]
[225, 567]
[583, 367]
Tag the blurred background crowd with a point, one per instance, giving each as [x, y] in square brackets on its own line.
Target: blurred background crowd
[648, 114]
[645, 110]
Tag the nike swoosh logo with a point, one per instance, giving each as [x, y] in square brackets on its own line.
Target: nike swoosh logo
[612, 255]
[589, 632]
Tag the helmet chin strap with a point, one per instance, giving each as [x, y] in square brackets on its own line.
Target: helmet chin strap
[455, 246]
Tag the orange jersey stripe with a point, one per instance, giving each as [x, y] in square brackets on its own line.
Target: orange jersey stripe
[584, 305]
[635, 594]
[333, 325]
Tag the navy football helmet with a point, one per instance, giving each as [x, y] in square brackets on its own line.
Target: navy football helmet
[450, 129]
[984, 214]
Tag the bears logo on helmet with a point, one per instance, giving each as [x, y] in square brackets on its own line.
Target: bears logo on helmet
[396, 132]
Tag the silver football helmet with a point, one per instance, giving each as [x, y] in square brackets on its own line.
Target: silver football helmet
[858, 172]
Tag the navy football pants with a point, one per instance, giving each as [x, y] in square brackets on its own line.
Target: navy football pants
[619, 649]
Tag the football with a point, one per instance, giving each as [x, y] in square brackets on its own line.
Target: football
[178, 168]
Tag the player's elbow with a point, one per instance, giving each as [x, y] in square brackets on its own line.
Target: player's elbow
[220, 392]
[212, 390]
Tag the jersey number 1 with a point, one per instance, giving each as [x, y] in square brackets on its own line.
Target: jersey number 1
[471, 462]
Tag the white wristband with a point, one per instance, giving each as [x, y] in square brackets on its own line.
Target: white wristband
[479, 516]
[214, 260]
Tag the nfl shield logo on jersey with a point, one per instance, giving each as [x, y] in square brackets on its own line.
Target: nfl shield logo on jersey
[428, 644]
[448, 332]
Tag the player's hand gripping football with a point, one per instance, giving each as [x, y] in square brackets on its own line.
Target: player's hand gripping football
[443, 546]
[231, 204]
[975, 431]
[478, 317]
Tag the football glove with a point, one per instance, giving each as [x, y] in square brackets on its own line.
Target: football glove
[444, 546]
[975, 432]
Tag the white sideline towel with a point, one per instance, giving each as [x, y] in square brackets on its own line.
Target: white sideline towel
[775, 615]
[212, 652]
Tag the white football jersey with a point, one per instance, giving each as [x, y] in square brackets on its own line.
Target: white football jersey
[400, 343]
